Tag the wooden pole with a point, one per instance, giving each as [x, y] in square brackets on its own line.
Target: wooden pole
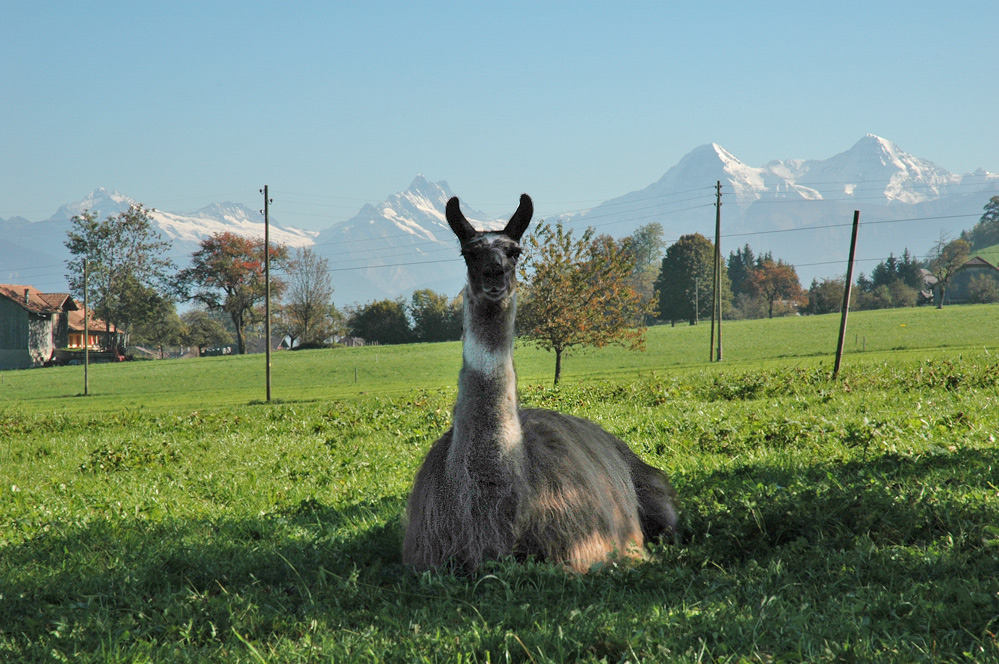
[714, 291]
[86, 327]
[697, 304]
[846, 294]
[718, 266]
[267, 292]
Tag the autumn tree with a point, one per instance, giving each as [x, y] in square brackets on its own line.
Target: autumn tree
[775, 282]
[307, 314]
[946, 258]
[384, 321]
[577, 293]
[227, 274]
[127, 266]
[686, 280]
[436, 317]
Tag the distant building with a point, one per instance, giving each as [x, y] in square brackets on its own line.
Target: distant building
[960, 286]
[39, 328]
[32, 325]
[99, 334]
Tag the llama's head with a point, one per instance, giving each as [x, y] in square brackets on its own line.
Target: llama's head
[491, 256]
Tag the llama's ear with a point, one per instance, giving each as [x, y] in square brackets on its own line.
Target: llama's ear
[457, 221]
[521, 218]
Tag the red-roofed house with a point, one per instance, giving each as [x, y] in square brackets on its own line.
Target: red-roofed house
[97, 328]
[32, 325]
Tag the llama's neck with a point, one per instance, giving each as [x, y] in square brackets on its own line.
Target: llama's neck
[486, 424]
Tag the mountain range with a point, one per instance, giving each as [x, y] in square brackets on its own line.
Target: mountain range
[798, 209]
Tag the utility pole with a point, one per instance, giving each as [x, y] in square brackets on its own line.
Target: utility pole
[267, 282]
[86, 326]
[846, 295]
[716, 304]
[697, 287]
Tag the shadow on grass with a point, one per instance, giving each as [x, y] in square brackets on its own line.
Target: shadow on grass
[917, 525]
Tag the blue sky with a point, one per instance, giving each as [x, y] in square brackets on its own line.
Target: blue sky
[335, 104]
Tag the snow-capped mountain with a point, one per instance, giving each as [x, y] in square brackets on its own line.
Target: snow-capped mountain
[398, 246]
[34, 252]
[873, 161]
[190, 229]
[101, 201]
[800, 209]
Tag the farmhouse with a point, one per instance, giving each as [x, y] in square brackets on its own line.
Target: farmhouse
[968, 282]
[36, 328]
[32, 325]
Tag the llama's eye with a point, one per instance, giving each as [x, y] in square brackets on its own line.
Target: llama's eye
[513, 253]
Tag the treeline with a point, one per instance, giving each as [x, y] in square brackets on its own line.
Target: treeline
[585, 290]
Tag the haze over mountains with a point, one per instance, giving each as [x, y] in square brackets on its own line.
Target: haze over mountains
[799, 209]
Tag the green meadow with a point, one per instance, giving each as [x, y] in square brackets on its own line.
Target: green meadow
[173, 516]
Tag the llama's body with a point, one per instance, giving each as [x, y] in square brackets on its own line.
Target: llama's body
[504, 481]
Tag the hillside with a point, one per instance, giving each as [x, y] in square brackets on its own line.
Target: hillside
[991, 254]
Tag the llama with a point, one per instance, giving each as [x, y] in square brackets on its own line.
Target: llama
[523, 482]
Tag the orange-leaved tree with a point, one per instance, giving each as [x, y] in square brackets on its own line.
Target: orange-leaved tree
[227, 274]
[578, 292]
[776, 281]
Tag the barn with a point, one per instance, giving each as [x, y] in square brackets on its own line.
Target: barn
[32, 325]
[975, 281]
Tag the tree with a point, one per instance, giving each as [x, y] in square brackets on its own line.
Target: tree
[906, 270]
[436, 317]
[686, 278]
[163, 327]
[384, 321]
[986, 232]
[776, 281]
[126, 266]
[825, 297]
[647, 245]
[740, 263]
[308, 314]
[577, 293]
[202, 330]
[227, 274]
[983, 290]
[946, 258]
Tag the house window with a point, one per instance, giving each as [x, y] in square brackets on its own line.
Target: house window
[76, 340]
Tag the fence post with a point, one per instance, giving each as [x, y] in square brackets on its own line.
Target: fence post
[846, 295]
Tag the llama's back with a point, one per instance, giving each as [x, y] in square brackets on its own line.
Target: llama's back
[589, 496]
[585, 497]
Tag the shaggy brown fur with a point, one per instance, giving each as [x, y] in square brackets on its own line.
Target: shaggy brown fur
[504, 481]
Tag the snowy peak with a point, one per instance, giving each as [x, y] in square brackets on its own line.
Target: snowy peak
[232, 212]
[873, 166]
[401, 244]
[228, 217]
[102, 202]
[418, 211]
[187, 229]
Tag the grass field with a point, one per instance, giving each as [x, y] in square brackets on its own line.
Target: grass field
[172, 517]
[991, 254]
